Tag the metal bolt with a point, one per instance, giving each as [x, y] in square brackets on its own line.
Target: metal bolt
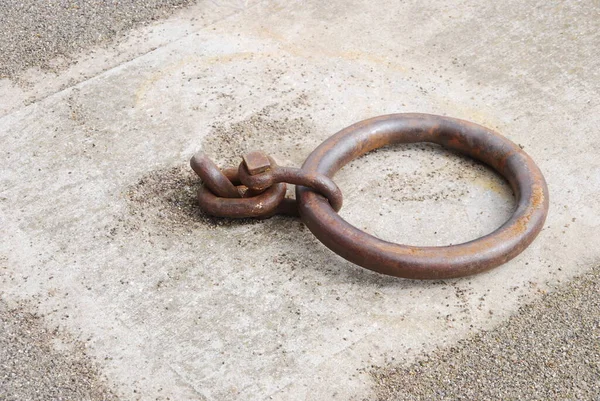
[256, 162]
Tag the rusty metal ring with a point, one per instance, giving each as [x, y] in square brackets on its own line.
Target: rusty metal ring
[218, 195]
[460, 260]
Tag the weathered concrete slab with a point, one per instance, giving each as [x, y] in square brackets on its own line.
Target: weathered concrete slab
[97, 207]
[63, 72]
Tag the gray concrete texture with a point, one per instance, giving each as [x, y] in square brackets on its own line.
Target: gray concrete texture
[548, 350]
[100, 229]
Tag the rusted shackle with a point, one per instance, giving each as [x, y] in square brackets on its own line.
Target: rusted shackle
[257, 189]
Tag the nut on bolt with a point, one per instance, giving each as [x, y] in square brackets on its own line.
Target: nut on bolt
[256, 171]
[256, 162]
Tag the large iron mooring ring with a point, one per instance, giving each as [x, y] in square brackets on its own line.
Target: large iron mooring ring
[416, 262]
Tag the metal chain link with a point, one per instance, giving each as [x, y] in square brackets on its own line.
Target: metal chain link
[257, 187]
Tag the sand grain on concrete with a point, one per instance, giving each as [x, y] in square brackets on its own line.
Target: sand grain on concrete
[550, 350]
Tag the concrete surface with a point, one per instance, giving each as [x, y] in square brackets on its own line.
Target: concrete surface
[38, 362]
[68, 33]
[549, 350]
[47, 34]
[100, 230]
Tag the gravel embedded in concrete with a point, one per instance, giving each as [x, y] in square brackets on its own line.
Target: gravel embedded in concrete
[550, 350]
[47, 33]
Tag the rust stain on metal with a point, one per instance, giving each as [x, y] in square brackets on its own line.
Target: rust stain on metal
[261, 187]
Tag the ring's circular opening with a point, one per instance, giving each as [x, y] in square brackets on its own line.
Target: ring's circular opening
[423, 195]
